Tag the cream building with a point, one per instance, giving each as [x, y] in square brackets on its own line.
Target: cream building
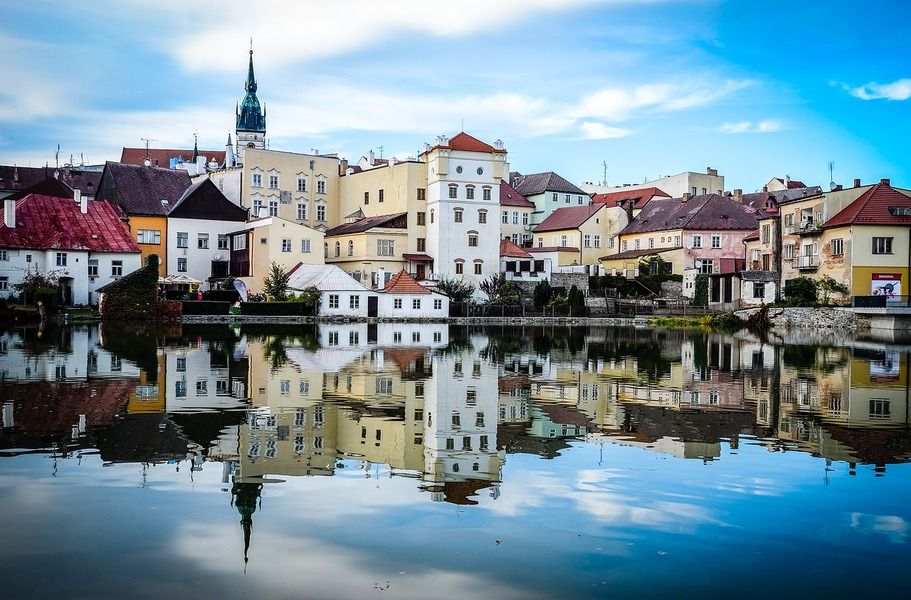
[688, 182]
[272, 239]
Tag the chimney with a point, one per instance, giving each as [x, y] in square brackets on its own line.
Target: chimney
[343, 166]
[885, 181]
[765, 189]
[738, 196]
[82, 200]
[9, 213]
[856, 182]
[711, 172]
[686, 197]
[838, 187]
[787, 180]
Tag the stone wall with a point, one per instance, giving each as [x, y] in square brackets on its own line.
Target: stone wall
[818, 319]
[671, 289]
[567, 280]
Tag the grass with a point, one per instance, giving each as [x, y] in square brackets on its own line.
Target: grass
[723, 322]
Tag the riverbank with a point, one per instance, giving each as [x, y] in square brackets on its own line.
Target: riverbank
[288, 320]
[817, 319]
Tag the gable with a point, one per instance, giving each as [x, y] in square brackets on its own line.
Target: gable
[205, 201]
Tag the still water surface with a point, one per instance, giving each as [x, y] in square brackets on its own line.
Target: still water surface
[406, 461]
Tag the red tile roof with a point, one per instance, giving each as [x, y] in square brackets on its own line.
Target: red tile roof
[708, 212]
[507, 248]
[793, 184]
[639, 253]
[510, 197]
[752, 236]
[403, 283]
[161, 157]
[463, 141]
[638, 197]
[417, 257]
[48, 223]
[873, 208]
[570, 217]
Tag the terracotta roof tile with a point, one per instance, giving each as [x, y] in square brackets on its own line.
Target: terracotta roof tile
[638, 197]
[510, 197]
[467, 143]
[161, 157]
[403, 283]
[49, 223]
[507, 248]
[875, 207]
[569, 217]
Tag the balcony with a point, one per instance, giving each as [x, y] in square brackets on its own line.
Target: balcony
[808, 262]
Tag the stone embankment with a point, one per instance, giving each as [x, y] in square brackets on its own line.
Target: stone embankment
[819, 319]
[283, 320]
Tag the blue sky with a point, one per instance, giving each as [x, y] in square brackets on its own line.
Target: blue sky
[753, 89]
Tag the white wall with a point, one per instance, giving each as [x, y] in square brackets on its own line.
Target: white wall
[199, 261]
[746, 293]
[344, 305]
[425, 311]
[193, 385]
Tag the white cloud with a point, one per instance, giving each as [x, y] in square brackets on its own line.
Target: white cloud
[29, 93]
[897, 90]
[751, 127]
[599, 131]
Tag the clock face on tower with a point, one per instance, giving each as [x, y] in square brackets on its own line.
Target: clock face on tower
[459, 169]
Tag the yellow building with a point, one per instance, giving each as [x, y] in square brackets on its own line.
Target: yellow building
[272, 239]
[581, 227]
[372, 248]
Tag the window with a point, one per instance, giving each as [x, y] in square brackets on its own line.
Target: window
[624, 245]
[257, 208]
[320, 212]
[116, 268]
[458, 215]
[333, 335]
[477, 268]
[676, 240]
[766, 233]
[422, 194]
[273, 208]
[354, 302]
[705, 266]
[181, 265]
[4, 284]
[416, 303]
[350, 248]
[286, 245]
[397, 303]
[257, 181]
[651, 242]
[381, 195]
[838, 247]
[202, 241]
[579, 199]
[506, 217]
[485, 193]
[320, 187]
[453, 191]
[422, 218]
[473, 240]
[693, 190]
[353, 338]
[459, 268]
[273, 182]
[338, 249]
[148, 236]
[879, 409]
[305, 246]
[482, 216]
[93, 267]
[301, 212]
[515, 217]
[597, 241]
[385, 247]
[183, 239]
[566, 198]
[301, 184]
[637, 244]
[789, 251]
[422, 244]
[587, 240]
[697, 241]
[61, 259]
[239, 242]
[469, 192]
[222, 241]
[882, 245]
[431, 216]
[758, 291]
[333, 301]
[437, 304]
[716, 241]
[366, 198]
[563, 241]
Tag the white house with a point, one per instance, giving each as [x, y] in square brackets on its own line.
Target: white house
[84, 243]
[198, 229]
[405, 298]
[340, 294]
[463, 205]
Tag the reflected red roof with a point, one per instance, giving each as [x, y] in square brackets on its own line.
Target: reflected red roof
[49, 223]
[873, 208]
[403, 283]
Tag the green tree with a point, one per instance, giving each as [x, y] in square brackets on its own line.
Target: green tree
[701, 293]
[499, 290]
[827, 286]
[541, 293]
[800, 291]
[310, 297]
[35, 286]
[276, 284]
[457, 289]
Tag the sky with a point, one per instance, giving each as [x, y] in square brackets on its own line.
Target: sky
[649, 87]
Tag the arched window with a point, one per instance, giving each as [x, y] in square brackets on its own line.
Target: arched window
[350, 248]
[338, 249]
[473, 239]
[326, 250]
[431, 215]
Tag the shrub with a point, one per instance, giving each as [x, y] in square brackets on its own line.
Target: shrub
[133, 296]
[701, 292]
[276, 284]
[800, 291]
[541, 293]
[457, 289]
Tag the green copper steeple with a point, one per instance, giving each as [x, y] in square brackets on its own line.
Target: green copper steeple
[250, 117]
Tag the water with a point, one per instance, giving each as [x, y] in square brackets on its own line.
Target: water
[408, 461]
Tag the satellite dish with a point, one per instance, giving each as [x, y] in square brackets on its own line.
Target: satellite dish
[147, 162]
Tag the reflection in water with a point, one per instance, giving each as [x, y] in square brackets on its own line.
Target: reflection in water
[442, 408]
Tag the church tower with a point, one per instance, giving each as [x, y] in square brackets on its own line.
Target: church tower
[251, 119]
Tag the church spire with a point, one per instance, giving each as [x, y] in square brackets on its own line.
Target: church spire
[250, 85]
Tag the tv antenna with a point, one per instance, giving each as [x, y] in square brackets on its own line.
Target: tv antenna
[831, 174]
[147, 140]
[380, 148]
[57, 157]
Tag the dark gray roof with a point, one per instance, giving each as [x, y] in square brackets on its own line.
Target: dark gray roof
[141, 190]
[759, 275]
[705, 212]
[639, 253]
[394, 221]
[538, 183]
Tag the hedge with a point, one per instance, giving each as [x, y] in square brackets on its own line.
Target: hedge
[221, 296]
[264, 309]
[134, 296]
[203, 307]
